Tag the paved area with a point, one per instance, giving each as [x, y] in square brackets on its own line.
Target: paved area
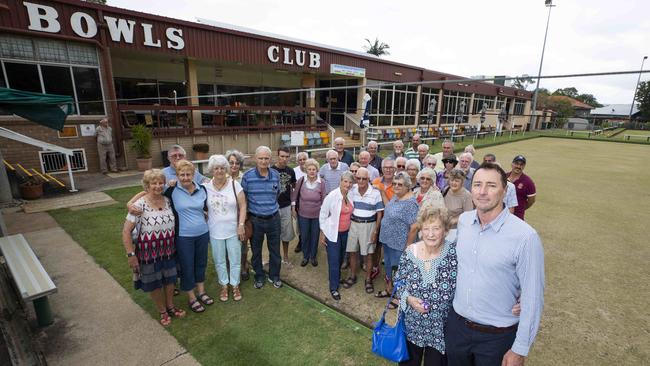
[96, 322]
[65, 201]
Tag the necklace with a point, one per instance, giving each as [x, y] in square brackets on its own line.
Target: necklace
[218, 188]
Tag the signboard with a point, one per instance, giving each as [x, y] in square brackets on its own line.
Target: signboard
[297, 138]
[87, 130]
[344, 70]
[68, 132]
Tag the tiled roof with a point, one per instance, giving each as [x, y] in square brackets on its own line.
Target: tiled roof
[574, 102]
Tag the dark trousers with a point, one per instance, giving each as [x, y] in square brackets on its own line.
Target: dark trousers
[271, 229]
[429, 355]
[192, 254]
[469, 347]
[309, 233]
[335, 253]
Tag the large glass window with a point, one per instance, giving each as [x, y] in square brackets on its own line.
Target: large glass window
[339, 101]
[57, 80]
[480, 100]
[519, 107]
[172, 93]
[89, 92]
[393, 105]
[23, 77]
[425, 98]
[207, 90]
[455, 106]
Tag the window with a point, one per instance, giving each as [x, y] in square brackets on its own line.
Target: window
[55, 162]
[455, 107]
[206, 89]
[16, 47]
[57, 80]
[479, 101]
[89, 92]
[519, 107]
[172, 93]
[23, 77]
[51, 50]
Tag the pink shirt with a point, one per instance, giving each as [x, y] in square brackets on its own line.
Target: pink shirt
[344, 218]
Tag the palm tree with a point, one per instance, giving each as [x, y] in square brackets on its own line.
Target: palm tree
[377, 48]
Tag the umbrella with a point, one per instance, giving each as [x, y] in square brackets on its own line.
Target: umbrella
[49, 110]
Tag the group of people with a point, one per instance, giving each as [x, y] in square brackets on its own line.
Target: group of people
[467, 272]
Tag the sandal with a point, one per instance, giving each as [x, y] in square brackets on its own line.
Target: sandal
[176, 292]
[369, 287]
[196, 306]
[349, 282]
[175, 312]
[392, 305]
[382, 294]
[236, 294]
[165, 319]
[206, 299]
[223, 296]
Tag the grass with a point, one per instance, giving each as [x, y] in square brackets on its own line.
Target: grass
[268, 327]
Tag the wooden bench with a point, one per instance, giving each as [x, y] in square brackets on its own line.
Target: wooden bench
[646, 137]
[456, 137]
[32, 281]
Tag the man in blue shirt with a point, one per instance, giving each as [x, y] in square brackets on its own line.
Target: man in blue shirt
[500, 263]
[343, 155]
[175, 154]
[262, 187]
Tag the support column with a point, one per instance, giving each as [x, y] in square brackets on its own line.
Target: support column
[418, 105]
[511, 113]
[193, 91]
[439, 105]
[309, 81]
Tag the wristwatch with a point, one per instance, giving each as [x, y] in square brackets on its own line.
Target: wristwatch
[130, 254]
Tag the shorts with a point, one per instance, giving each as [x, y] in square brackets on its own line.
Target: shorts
[286, 224]
[359, 238]
[153, 276]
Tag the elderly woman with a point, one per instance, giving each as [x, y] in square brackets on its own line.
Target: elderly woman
[470, 149]
[236, 162]
[226, 217]
[400, 164]
[412, 169]
[335, 220]
[354, 168]
[450, 163]
[189, 203]
[428, 193]
[152, 256]
[427, 278]
[306, 201]
[429, 161]
[300, 171]
[457, 198]
[398, 228]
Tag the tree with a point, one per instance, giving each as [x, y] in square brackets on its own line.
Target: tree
[569, 92]
[561, 107]
[589, 99]
[643, 97]
[522, 82]
[377, 48]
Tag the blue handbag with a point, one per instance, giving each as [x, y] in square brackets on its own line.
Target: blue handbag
[388, 341]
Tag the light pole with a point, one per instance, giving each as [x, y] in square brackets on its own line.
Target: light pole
[549, 5]
[636, 88]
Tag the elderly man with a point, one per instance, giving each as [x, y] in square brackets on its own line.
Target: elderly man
[332, 171]
[364, 229]
[398, 150]
[105, 148]
[287, 183]
[343, 155]
[364, 161]
[464, 164]
[375, 160]
[262, 187]
[470, 149]
[175, 154]
[489, 158]
[299, 170]
[412, 152]
[400, 164]
[423, 151]
[500, 262]
[385, 186]
[447, 149]
[526, 192]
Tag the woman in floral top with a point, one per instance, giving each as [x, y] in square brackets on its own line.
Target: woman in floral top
[427, 279]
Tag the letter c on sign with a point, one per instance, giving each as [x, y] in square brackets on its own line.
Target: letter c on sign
[272, 53]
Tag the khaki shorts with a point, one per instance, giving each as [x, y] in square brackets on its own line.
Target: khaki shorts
[286, 225]
[359, 238]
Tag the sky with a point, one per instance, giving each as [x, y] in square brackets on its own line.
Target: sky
[461, 37]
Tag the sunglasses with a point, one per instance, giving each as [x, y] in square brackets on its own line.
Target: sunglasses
[362, 178]
[401, 166]
[426, 178]
[353, 171]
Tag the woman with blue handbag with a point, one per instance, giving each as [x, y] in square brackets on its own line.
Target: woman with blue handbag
[427, 277]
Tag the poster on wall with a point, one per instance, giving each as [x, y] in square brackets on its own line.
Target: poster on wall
[87, 130]
[68, 132]
[297, 138]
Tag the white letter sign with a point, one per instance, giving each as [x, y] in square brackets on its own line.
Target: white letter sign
[42, 13]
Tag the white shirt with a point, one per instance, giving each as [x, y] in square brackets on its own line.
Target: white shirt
[330, 212]
[510, 198]
[299, 173]
[222, 210]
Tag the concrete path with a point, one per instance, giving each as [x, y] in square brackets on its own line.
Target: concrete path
[72, 200]
[96, 322]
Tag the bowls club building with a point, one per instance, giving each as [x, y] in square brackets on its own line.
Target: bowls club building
[138, 68]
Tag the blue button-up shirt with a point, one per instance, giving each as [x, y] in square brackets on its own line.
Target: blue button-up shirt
[189, 210]
[261, 192]
[170, 173]
[332, 177]
[497, 264]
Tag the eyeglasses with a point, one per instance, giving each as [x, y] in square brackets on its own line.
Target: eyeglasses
[353, 171]
[234, 163]
[426, 178]
[398, 184]
[401, 166]
[177, 156]
[362, 178]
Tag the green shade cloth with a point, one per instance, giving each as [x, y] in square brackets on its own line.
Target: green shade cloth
[49, 110]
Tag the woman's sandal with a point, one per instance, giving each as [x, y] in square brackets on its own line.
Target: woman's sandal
[382, 294]
[196, 306]
[175, 312]
[223, 295]
[236, 293]
[165, 319]
[349, 282]
[205, 299]
[369, 287]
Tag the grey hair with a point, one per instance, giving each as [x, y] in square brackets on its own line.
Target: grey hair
[330, 152]
[466, 154]
[412, 162]
[302, 153]
[339, 139]
[216, 161]
[263, 149]
[238, 155]
[387, 160]
[401, 158]
[398, 142]
[176, 148]
[347, 175]
[425, 145]
[373, 142]
[364, 153]
[448, 141]
[312, 162]
[470, 149]
[355, 164]
[403, 177]
[426, 170]
[430, 157]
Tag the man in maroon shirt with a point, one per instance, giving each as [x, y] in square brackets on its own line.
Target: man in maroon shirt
[523, 184]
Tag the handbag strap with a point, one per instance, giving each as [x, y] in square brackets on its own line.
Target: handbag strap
[392, 296]
[236, 200]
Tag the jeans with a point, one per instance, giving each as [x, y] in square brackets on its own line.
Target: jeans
[271, 228]
[219, 248]
[309, 233]
[391, 260]
[192, 254]
[335, 253]
[468, 347]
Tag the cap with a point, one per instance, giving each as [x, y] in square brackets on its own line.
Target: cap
[519, 158]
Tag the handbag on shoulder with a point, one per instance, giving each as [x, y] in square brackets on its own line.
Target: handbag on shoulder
[388, 341]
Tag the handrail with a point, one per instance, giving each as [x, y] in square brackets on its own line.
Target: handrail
[356, 126]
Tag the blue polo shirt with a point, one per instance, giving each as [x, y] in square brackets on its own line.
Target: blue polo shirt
[189, 210]
[170, 173]
[261, 192]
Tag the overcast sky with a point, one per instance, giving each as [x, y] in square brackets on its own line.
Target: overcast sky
[461, 37]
